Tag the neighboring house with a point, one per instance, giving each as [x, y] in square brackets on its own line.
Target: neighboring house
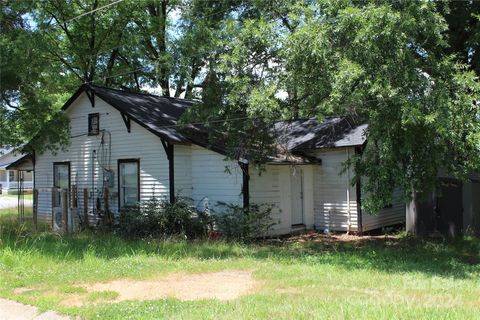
[130, 144]
[12, 180]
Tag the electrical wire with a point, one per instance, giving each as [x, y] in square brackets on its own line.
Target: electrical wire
[92, 11]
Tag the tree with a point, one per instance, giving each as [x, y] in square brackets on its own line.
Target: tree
[28, 100]
[403, 67]
[463, 34]
[71, 42]
[384, 64]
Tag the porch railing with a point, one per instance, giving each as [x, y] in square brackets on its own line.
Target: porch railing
[15, 184]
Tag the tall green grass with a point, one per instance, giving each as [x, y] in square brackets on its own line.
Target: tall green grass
[399, 278]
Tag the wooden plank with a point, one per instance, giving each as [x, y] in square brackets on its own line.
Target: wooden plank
[35, 208]
[65, 211]
[85, 208]
[73, 196]
[53, 191]
[108, 215]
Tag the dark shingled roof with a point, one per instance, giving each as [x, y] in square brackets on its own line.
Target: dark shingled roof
[309, 134]
[157, 114]
[160, 116]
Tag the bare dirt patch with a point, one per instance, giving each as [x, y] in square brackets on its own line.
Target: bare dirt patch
[22, 290]
[338, 238]
[225, 285]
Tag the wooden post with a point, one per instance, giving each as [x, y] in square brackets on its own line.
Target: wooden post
[54, 192]
[35, 208]
[245, 184]
[108, 218]
[65, 211]
[85, 208]
[73, 196]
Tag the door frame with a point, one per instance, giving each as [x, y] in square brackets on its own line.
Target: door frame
[67, 163]
[301, 173]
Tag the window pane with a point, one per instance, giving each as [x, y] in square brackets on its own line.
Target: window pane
[129, 193]
[93, 123]
[61, 176]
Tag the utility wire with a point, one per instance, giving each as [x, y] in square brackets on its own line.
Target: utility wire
[92, 11]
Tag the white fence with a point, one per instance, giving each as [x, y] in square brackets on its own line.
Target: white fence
[7, 185]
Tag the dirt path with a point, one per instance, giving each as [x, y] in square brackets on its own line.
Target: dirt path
[11, 310]
[224, 285]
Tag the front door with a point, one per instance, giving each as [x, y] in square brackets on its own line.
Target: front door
[297, 196]
[61, 180]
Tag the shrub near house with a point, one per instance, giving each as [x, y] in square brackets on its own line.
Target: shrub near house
[160, 218]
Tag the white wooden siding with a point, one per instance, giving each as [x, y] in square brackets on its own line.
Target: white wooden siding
[183, 170]
[386, 217]
[138, 144]
[273, 186]
[265, 189]
[331, 189]
[211, 183]
[332, 210]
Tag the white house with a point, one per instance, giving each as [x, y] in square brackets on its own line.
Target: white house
[12, 180]
[129, 143]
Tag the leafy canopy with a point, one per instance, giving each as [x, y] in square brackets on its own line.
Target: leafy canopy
[383, 63]
[407, 68]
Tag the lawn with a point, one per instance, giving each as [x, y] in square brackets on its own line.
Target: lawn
[26, 197]
[394, 278]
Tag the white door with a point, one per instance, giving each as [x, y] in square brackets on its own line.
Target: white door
[297, 195]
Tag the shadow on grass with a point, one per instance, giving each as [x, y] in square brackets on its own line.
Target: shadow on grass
[458, 258]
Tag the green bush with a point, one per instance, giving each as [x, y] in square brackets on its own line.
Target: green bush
[244, 224]
[160, 218]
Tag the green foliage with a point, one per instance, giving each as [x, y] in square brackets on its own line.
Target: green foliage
[244, 224]
[382, 63]
[407, 68]
[160, 218]
[31, 92]
[463, 34]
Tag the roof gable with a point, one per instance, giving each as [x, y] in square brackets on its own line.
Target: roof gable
[158, 115]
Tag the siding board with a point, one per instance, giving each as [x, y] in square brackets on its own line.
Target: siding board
[211, 183]
[332, 210]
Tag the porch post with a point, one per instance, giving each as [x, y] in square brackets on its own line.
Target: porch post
[169, 151]
[245, 183]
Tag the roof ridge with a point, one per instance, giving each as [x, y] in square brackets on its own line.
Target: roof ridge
[139, 93]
